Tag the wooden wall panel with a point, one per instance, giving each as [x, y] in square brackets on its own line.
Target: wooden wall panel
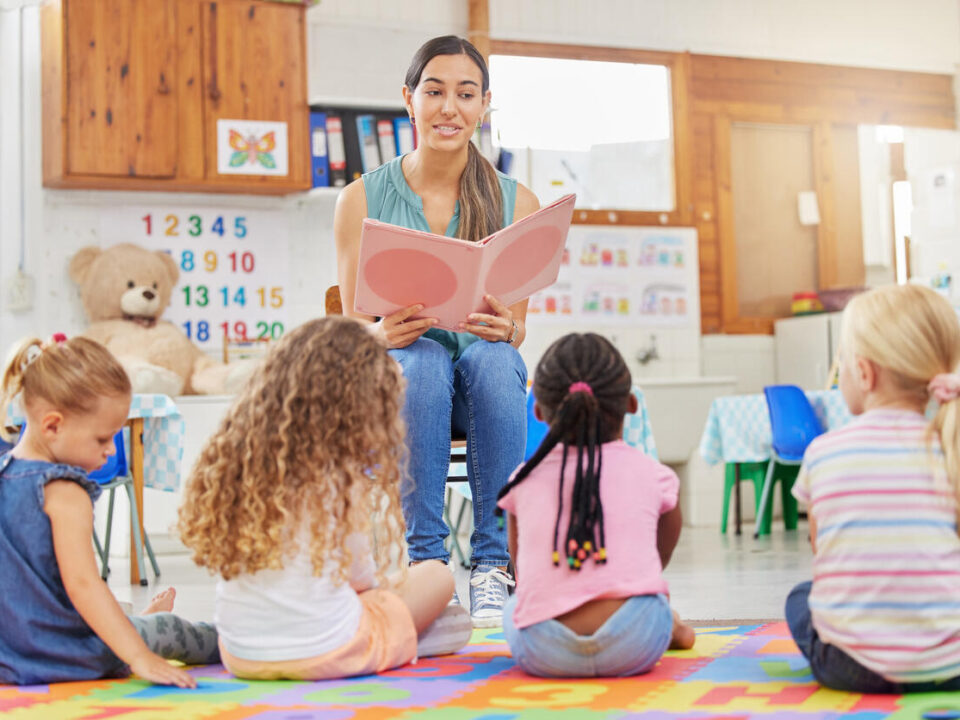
[823, 181]
[255, 68]
[191, 160]
[776, 255]
[849, 270]
[830, 99]
[704, 219]
[53, 91]
[120, 72]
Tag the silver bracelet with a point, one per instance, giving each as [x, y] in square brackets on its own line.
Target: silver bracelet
[516, 332]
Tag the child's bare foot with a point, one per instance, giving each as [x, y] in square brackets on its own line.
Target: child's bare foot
[683, 636]
[162, 602]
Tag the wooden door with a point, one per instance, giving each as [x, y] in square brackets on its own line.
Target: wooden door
[255, 69]
[121, 101]
[776, 256]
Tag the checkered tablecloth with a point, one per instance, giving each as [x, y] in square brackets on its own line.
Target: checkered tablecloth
[636, 427]
[163, 431]
[738, 426]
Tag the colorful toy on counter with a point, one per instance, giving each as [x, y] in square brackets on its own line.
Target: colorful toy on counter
[806, 303]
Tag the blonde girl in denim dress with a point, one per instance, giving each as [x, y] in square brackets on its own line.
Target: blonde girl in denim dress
[60, 620]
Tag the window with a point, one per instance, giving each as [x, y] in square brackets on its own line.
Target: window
[597, 128]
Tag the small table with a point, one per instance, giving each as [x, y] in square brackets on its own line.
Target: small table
[738, 430]
[156, 451]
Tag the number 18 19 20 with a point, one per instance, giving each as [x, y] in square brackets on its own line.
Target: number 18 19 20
[199, 330]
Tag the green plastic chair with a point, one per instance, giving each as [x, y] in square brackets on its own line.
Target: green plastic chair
[756, 473]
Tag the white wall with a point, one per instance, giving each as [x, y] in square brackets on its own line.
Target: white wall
[933, 156]
[359, 50]
[923, 35]
[751, 359]
[918, 35]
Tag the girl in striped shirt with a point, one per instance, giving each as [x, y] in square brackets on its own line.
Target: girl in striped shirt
[882, 614]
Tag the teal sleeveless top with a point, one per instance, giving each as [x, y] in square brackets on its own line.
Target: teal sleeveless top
[390, 199]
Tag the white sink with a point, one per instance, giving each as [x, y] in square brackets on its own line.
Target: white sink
[678, 410]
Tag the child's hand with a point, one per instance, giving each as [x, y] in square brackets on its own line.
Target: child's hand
[155, 669]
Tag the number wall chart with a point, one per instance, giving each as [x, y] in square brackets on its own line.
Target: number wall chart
[234, 267]
[624, 275]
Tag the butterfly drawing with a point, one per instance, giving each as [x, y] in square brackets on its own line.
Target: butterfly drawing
[252, 150]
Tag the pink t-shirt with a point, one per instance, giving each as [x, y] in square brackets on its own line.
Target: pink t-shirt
[635, 491]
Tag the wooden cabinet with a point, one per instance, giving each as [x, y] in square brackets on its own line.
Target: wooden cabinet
[133, 90]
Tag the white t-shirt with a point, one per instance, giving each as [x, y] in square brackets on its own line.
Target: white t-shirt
[291, 614]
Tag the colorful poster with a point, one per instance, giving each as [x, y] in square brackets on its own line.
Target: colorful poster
[252, 147]
[234, 267]
[632, 276]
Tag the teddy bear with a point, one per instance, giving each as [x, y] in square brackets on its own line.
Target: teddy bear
[124, 290]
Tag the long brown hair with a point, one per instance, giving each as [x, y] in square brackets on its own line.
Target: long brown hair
[481, 206]
[315, 442]
[70, 375]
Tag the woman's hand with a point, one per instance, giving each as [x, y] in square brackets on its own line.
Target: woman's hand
[494, 328]
[397, 332]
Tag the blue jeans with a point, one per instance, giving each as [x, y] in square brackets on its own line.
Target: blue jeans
[481, 395]
[832, 667]
[630, 642]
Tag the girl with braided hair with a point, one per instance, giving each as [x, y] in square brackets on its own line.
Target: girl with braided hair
[591, 524]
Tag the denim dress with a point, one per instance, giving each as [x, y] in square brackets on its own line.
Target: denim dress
[43, 639]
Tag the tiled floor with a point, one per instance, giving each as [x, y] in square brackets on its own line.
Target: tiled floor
[711, 576]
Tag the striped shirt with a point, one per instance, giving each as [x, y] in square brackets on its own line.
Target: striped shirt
[886, 574]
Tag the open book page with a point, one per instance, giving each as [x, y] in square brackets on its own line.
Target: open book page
[525, 257]
[399, 267]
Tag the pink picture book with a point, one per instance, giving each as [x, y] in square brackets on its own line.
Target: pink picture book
[400, 267]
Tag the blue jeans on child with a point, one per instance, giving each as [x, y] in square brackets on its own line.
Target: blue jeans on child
[481, 394]
[832, 667]
[630, 642]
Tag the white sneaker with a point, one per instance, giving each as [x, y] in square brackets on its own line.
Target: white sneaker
[488, 593]
[447, 634]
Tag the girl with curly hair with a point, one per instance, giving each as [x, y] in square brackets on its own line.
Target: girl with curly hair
[295, 503]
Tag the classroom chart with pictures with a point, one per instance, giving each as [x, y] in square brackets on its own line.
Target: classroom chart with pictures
[626, 276]
[234, 267]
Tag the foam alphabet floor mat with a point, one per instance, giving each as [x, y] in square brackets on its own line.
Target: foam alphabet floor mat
[733, 673]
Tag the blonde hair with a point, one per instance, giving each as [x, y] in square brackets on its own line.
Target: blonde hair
[70, 375]
[314, 440]
[913, 333]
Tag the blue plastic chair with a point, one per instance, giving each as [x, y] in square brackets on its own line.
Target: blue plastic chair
[113, 474]
[536, 429]
[794, 425]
